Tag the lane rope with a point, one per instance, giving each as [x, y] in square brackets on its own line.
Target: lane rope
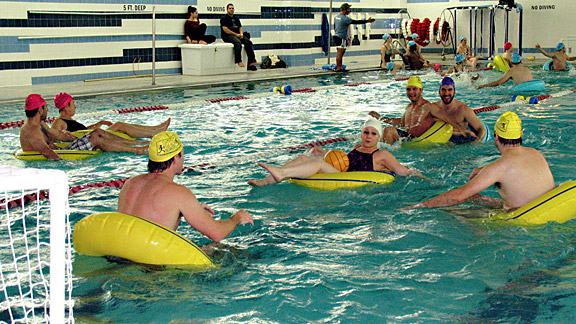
[118, 183]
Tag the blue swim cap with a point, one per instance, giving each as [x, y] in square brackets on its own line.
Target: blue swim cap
[410, 43]
[447, 81]
[560, 46]
[415, 35]
[385, 36]
[516, 58]
[459, 58]
[390, 66]
[462, 38]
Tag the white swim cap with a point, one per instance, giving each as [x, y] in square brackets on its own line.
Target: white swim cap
[373, 123]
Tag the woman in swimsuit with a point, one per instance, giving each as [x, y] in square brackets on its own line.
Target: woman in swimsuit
[465, 50]
[364, 157]
[387, 51]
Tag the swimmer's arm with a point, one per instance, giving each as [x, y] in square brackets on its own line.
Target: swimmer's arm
[38, 144]
[199, 216]
[388, 120]
[59, 124]
[544, 52]
[475, 122]
[60, 135]
[385, 159]
[571, 58]
[498, 82]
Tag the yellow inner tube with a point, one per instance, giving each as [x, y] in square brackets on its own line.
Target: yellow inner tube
[136, 239]
[83, 132]
[557, 205]
[63, 154]
[501, 64]
[352, 179]
[439, 133]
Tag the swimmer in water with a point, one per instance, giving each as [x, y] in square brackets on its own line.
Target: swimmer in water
[417, 118]
[364, 157]
[508, 53]
[559, 58]
[67, 107]
[155, 195]
[465, 50]
[37, 136]
[458, 114]
[521, 174]
[519, 73]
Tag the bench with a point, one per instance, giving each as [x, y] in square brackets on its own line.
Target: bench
[215, 58]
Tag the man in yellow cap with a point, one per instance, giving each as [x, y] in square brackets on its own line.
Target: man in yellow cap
[416, 120]
[155, 195]
[521, 174]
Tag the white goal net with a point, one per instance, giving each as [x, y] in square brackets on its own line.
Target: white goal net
[35, 250]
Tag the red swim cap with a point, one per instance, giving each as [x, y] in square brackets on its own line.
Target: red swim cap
[62, 99]
[507, 46]
[34, 101]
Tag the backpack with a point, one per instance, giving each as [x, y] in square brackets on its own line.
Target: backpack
[273, 62]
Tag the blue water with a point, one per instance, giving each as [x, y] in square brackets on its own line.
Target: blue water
[347, 256]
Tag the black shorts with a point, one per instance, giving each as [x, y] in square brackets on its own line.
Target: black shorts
[340, 43]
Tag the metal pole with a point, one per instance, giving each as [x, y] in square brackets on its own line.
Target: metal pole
[520, 32]
[329, 30]
[154, 45]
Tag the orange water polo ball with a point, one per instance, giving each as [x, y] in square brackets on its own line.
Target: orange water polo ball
[338, 159]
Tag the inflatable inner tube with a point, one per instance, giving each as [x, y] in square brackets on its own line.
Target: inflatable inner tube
[338, 180]
[501, 64]
[548, 66]
[534, 85]
[136, 239]
[557, 205]
[439, 133]
[63, 154]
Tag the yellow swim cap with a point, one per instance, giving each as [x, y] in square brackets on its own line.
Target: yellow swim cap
[508, 126]
[414, 81]
[164, 146]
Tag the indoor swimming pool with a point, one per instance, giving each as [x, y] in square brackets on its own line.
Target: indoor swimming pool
[344, 256]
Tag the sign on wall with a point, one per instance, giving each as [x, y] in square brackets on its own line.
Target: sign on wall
[219, 6]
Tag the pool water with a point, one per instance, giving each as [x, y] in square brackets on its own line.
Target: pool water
[346, 256]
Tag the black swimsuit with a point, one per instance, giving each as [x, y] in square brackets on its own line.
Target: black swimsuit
[72, 125]
[360, 161]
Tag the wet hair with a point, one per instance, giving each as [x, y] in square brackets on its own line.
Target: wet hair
[228, 5]
[509, 142]
[413, 48]
[32, 113]
[191, 10]
[157, 167]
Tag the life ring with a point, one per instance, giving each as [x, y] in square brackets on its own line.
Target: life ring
[136, 239]
[557, 205]
[501, 64]
[405, 23]
[548, 66]
[80, 133]
[75, 155]
[533, 85]
[439, 133]
[338, 180]
[442, 31]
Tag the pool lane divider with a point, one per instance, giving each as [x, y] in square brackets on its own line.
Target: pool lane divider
[19, 123]
[118, 183]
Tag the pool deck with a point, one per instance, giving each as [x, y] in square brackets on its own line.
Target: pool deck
[144, 83]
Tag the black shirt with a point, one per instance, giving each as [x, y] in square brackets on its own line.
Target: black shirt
[233, 23]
